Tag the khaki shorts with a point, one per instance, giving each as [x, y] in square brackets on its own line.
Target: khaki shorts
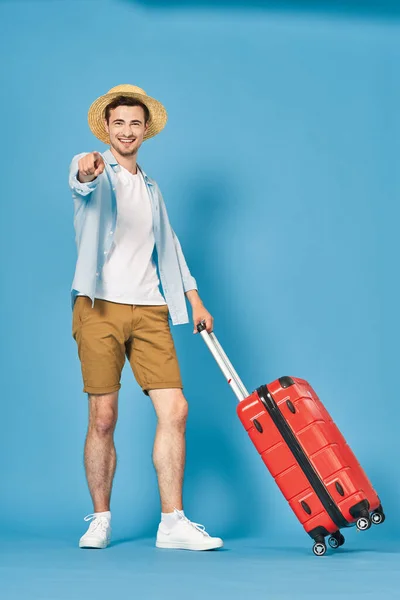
[109, 332]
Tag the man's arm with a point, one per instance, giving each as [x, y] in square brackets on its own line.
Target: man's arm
[84, 171]
[200, 313]
[189, 282]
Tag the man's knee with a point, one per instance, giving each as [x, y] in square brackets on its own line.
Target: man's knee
[103, 413]
[172, 409]
[180, 411]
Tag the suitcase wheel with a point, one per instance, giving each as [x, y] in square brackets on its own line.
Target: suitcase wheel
[336, 540]
[319, 548]
[363, 523]
[377, 517]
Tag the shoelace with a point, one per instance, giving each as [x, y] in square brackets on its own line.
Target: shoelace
[197, 526]
[101, 522]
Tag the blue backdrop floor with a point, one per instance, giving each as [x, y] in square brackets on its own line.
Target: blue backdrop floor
[38, 569]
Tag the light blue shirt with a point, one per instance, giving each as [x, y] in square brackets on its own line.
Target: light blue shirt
[95, 220]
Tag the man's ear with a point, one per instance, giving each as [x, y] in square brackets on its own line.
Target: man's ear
[106, 126]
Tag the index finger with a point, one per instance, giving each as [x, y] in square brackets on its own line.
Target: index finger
[97, 157]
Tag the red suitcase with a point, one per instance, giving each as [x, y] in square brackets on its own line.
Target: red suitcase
[306, 454]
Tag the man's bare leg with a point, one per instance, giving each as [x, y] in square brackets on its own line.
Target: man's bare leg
[169, 445]
[175, 530]
[100, 455]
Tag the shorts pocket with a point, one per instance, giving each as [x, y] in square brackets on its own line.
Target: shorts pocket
[163, 311]
[81, 312]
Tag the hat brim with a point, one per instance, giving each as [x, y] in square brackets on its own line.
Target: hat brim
[96, 114]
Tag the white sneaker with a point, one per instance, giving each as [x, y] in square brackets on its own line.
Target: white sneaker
[186, 535]
[99, 533]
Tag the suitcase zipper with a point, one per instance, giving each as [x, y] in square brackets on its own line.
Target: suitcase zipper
[302, 459]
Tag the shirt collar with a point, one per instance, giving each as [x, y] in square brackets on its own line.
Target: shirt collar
[112, 161]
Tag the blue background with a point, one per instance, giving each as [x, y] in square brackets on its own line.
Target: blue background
[279, 167]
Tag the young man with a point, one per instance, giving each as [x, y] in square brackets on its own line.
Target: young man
[125, 247]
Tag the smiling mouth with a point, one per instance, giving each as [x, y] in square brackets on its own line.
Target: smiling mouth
[126, 141]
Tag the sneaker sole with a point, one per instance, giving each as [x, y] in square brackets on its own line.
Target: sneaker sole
[93, 546]
[185, 546]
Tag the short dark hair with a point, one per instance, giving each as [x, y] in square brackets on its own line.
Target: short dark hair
[126, 101]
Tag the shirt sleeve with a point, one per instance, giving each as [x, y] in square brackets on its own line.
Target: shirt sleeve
[83, 189]
[189, 282]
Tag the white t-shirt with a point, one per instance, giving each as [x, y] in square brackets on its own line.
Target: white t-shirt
[130, 275]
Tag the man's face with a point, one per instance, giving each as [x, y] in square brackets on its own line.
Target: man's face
[126, 129]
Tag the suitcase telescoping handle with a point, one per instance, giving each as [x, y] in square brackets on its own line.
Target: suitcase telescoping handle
[223, 362]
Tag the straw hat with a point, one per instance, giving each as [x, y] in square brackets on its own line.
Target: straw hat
[96, 115]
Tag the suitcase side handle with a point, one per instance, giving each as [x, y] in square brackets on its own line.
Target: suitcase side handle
[223, 362]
